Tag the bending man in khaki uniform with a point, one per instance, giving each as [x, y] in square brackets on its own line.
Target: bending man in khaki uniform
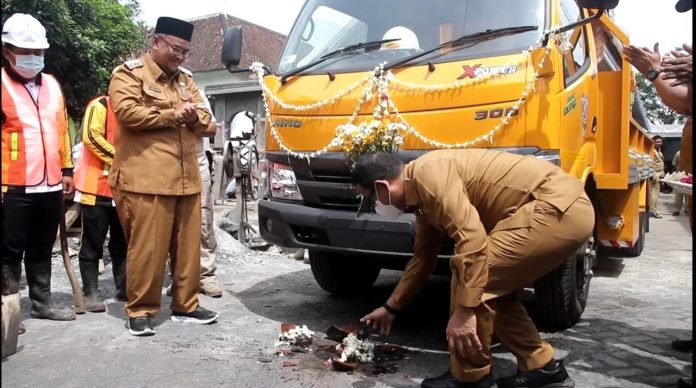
[155, 178]
[513, 220]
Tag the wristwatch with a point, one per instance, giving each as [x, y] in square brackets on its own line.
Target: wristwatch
[652, 73]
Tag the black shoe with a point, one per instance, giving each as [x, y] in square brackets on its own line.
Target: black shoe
[684, 382]
[683, 345]
[447, 380]
[675, 213]
[553, 375]
[140, 326]
[199, 316]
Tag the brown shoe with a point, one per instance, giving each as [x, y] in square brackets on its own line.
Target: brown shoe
[210, 289]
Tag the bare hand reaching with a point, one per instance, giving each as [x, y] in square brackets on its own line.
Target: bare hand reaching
[380, 319]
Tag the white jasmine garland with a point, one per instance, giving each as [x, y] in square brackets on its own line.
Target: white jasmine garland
[377, 85]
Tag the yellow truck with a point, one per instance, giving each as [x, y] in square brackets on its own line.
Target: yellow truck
[534, 77]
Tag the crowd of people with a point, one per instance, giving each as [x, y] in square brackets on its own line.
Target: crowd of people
[143, 179]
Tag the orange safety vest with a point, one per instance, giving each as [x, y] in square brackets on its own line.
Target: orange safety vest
[91, 173]
[32, 133]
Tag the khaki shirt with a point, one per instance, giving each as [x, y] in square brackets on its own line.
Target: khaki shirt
[658, 164]
[467, 194]
[154, 155]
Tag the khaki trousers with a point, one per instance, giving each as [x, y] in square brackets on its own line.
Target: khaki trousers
[208, 242]
[654, 194]
[157, 227]
[516, 258]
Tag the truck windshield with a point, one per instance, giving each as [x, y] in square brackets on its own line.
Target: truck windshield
[412, 26]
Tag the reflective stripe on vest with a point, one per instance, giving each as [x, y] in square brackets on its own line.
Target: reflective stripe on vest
[32, 133]
[91, 173]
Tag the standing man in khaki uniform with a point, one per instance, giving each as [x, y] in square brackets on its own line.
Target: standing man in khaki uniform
[658, 164]
[513, 220]
[155, 178]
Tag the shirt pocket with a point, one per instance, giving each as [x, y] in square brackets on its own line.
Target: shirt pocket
[153, 96]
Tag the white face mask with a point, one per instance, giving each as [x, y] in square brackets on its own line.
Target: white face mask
[28, 66]
[389, 211]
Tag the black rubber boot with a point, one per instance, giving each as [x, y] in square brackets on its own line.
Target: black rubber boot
[39, 282]
[90, 278]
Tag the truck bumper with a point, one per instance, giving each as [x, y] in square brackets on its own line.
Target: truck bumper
[295, 225]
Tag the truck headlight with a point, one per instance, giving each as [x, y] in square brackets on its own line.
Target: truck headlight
[282, 183]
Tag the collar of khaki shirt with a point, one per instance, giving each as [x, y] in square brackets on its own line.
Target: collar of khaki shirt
[410, 187]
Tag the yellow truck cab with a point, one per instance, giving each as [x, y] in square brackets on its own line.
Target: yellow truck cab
[533, 77]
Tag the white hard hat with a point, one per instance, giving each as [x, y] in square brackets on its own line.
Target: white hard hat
[24, 31]
[408, 39]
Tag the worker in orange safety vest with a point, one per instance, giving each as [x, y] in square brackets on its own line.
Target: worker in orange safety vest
[37, 164]
[98, 209]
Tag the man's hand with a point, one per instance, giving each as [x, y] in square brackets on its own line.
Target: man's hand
[461, 332]
[380, 319]
[186, 114]
[678, 67]
[68, 186]
[642, 58]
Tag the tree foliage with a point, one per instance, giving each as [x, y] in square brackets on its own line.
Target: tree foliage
[657, 111]
[88, 39]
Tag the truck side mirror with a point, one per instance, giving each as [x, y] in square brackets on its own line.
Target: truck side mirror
[232, 47]
[598, 4]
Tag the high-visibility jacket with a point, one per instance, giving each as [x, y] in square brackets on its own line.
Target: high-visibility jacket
[35, 137]
[98, 135]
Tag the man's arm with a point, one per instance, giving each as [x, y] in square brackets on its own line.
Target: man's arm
[203, 113]
[125, 92]
[94, 129]
[676, 97]
[440, 187]
[418, 269]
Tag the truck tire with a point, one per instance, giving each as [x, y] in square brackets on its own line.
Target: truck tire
[343, 275]
[561, 295]
[639, 243]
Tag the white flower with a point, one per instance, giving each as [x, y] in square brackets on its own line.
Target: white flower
[295, 336]
[355, 349]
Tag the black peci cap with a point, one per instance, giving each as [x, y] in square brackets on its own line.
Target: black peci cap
[174, 27]
[684, 5]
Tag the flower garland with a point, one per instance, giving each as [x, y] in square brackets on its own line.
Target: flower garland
[385, 130]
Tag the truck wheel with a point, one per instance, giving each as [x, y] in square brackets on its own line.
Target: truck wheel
[342, 275]
[639, 243]
[561, 295]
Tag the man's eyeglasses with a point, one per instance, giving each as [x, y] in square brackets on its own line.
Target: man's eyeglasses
[176, 49]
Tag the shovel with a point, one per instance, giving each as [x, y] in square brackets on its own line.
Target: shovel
[77, 293]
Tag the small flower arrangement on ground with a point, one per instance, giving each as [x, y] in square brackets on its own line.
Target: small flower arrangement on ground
[292, 335]
[353, 349]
